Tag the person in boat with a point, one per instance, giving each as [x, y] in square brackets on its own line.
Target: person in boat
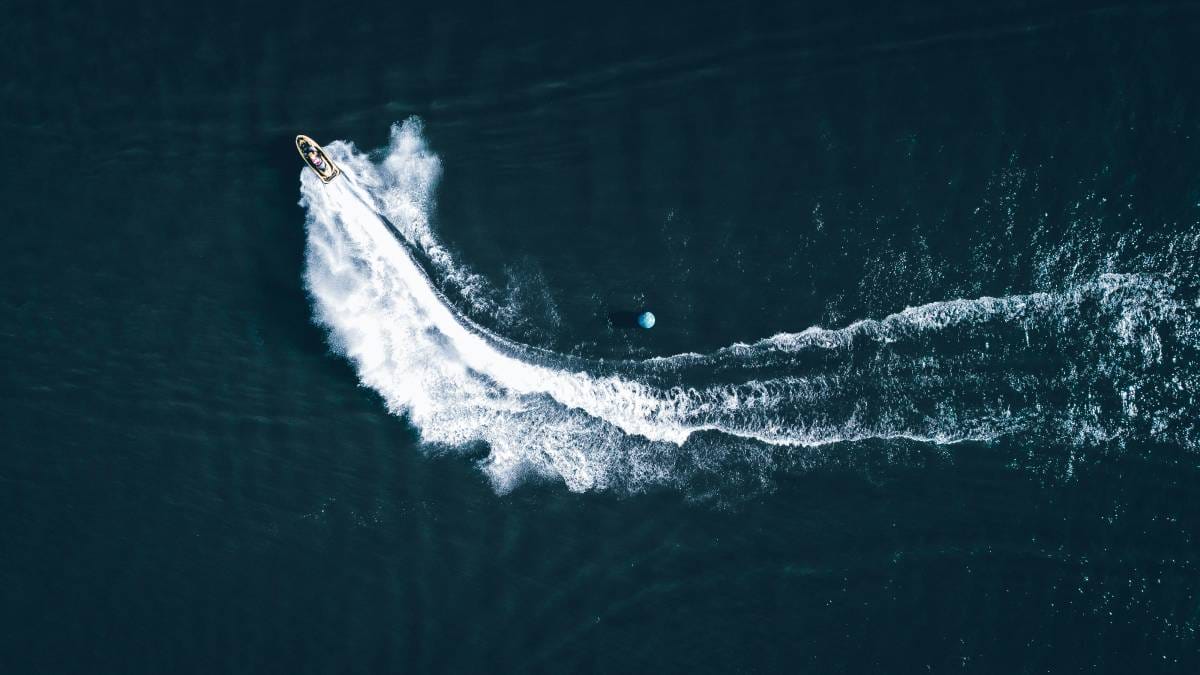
[314, 158]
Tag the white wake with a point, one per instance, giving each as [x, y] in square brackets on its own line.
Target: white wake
[1090, 363]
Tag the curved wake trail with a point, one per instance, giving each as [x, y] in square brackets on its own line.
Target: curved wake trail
[1100, 361]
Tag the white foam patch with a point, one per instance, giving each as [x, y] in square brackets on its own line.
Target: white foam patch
[941, 373]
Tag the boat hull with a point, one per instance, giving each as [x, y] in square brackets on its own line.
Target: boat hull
[325, 169]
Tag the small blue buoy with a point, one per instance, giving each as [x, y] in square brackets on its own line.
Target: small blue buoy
[646, 320]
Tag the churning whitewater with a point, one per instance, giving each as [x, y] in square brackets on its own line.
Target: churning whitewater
[1098, 361]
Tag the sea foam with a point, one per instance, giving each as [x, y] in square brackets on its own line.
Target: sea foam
[1097, 361]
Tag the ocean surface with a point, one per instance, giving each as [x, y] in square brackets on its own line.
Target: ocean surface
[923, 394]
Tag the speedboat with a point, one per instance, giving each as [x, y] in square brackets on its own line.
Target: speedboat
[314, 155]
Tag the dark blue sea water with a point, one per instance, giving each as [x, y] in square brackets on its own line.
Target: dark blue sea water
[922, 395]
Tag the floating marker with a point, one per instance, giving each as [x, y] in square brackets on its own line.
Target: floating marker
[646, 320]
